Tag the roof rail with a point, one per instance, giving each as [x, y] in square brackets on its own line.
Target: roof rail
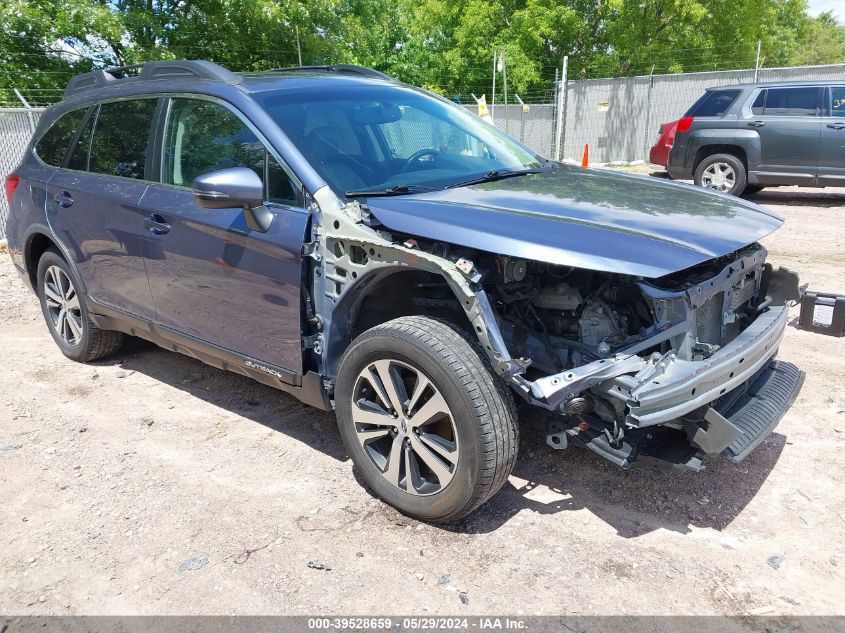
[149, 71]
[342, 69]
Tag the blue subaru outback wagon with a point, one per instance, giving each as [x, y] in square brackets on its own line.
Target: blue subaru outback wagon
[376, 250]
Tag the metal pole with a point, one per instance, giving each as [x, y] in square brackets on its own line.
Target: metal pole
[493, 97]
[521, 118]
[757, 63]
[555, 131]
[298, 48]
[561, 119]
[28, 108]
[648, 112]
[505, 79]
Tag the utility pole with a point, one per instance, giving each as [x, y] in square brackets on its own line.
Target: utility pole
[561, 118]
[757, 63]
[298, 47]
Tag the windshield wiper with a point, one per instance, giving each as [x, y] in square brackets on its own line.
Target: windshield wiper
[396, 190]
[496, 174]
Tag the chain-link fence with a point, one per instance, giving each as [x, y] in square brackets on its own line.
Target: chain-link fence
[16, 127]
[617, 117]
[620, 117]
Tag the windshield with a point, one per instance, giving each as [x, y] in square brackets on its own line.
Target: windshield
[389, 137]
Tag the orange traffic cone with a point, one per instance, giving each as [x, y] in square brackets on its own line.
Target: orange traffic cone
[585, 159]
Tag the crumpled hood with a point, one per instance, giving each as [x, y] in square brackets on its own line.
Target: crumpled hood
[593, 219]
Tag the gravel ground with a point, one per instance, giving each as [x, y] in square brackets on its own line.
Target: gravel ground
[150, 483]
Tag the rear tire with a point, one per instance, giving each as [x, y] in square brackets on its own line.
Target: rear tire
[435, 452]
[66, 313]
[721, 172]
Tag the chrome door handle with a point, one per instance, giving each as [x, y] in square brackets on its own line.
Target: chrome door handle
[156, 224]
[756, 123]
[63, 199]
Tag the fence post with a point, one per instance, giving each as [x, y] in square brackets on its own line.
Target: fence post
[757, 62]
[28, 109]
[561, 110]
[648, 114]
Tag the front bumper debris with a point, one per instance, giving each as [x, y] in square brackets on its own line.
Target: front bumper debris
[677, 387]
[757, 411]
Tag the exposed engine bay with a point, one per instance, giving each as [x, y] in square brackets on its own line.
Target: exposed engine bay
[631, 367]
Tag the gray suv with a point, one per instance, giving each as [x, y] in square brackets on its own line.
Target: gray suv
[378, 251]
[742, 138]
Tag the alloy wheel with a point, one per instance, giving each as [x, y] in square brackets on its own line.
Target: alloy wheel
[405, 426]
[63, 305]
[719, 176]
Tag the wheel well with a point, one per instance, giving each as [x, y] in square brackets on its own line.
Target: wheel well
[36, 245]
[396, 293]
[709, 150]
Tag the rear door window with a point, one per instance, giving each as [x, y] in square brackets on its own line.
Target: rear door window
[798, 101]
[79, 154]
[714, 103]
[759, 103]
[52, 146]
[121, 137]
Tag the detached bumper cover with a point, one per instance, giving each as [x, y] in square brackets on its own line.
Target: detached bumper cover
[757, 412]
[680, 386]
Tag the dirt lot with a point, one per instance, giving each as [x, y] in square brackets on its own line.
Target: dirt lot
[153, 484]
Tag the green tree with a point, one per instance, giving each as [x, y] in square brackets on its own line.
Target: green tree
[823, 43]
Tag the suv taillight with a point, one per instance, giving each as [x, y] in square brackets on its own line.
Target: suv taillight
[685, 123]
[12, 182]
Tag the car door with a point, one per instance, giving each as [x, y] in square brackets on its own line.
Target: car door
[92, 203]
[788, 122]
[212, 277]
[832, 147]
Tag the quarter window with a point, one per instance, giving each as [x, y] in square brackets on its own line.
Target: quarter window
[121, 135]
[714, 103]
[837, 101]
[203, 136]
[53, 145]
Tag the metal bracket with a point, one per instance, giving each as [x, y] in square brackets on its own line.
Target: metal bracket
[314, 341]
[312, 249]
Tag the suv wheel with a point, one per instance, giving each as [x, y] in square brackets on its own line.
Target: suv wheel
[433, 432]
[722, 172]
[67, 315]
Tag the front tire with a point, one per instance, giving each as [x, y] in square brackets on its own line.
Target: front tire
[431, 429]
[66, 313]
[721, 172]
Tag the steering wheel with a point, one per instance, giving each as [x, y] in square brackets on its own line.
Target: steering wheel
[426, 151]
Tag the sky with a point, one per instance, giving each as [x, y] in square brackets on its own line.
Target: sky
[836, 6]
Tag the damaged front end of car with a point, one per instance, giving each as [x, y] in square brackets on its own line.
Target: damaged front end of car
[631, 367]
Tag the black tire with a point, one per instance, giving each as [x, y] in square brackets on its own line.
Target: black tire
[740, 176]
[750, 190]
[481, 406]
[90, 343]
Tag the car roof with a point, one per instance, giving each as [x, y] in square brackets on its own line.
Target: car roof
[775, 84]
[305, 80]
[190, 74]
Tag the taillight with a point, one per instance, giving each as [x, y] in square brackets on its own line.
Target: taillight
[12, 182]
[685, 123]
